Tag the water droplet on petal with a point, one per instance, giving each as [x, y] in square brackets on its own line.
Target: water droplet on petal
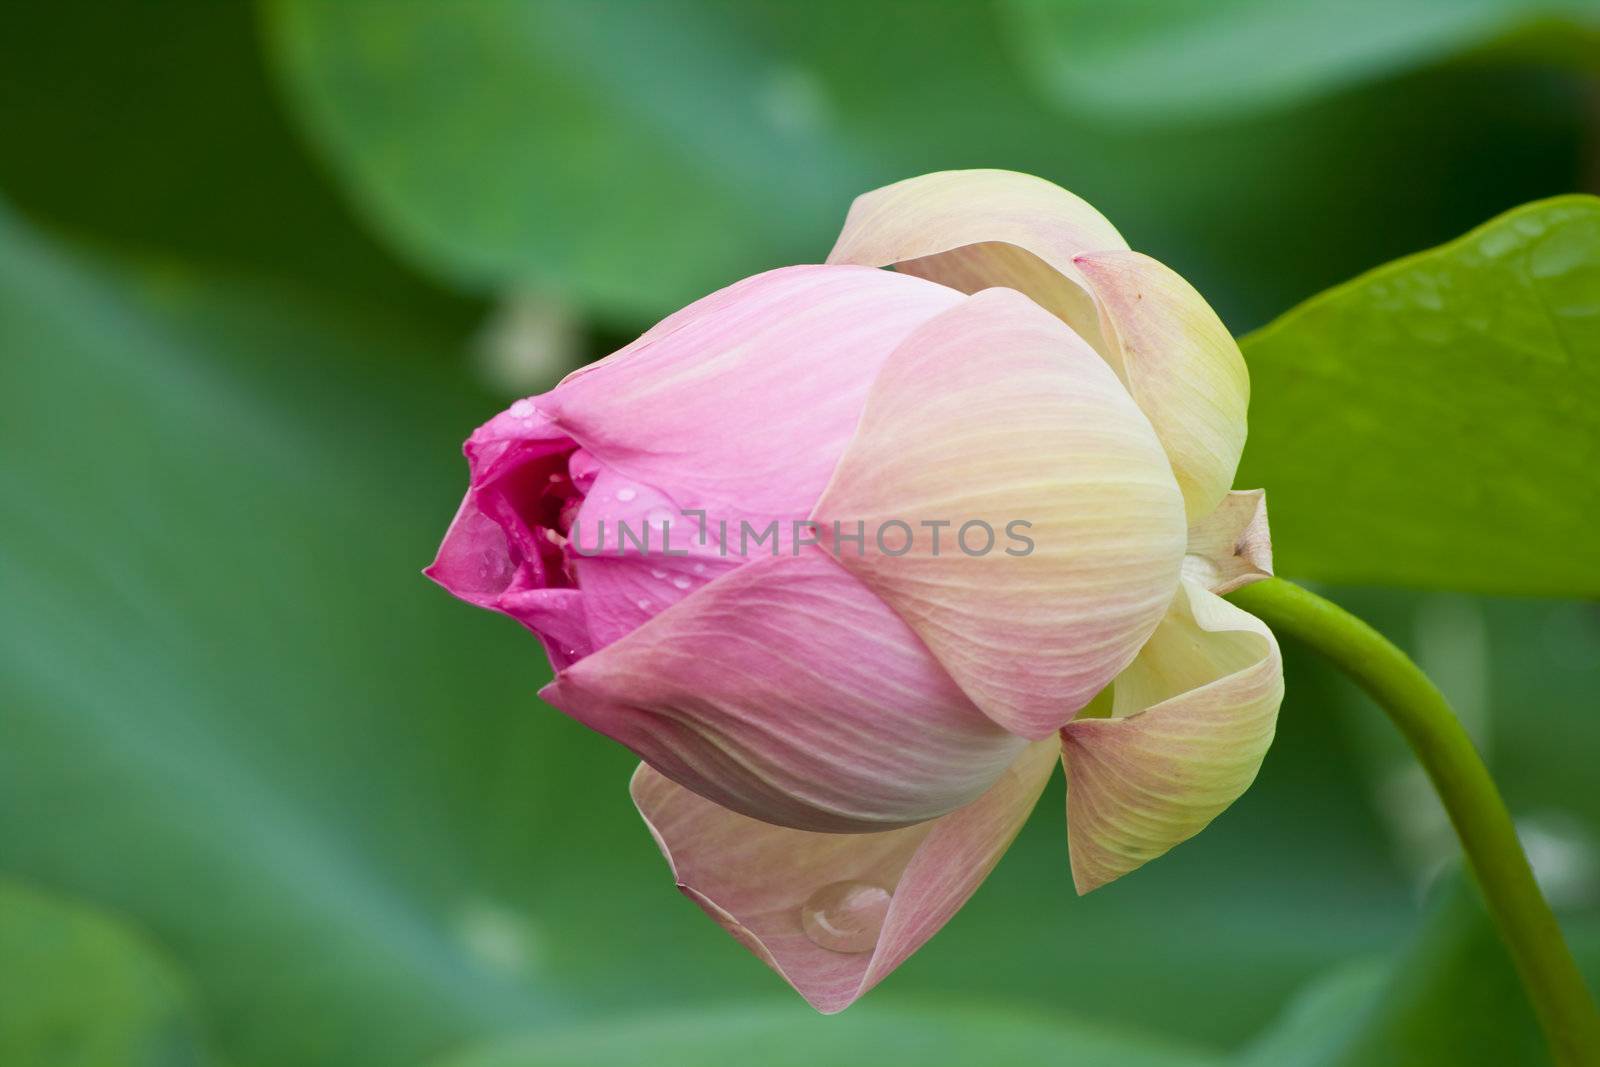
[699, 568]
[657, 572]
[495, 568]
[644, 604]
[681, 583]
[626, 493]
[584, 469]
[658, 517]
[845, 916]
[522, 409]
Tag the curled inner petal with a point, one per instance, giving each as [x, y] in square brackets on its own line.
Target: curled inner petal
[1192, 718]
[1232, 546]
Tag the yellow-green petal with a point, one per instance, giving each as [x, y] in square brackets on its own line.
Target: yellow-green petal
[978, 229]
[1180, 363]
[1192, 718]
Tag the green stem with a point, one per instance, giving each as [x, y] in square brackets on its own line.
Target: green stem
[1565, 1007]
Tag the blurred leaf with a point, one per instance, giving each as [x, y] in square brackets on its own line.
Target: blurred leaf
[1160, 60]
[628, 158]
[1542, 683]
[1451, 999]
[79, 989]
[1432, 423]
[487, 135]
[217, 722]
[785, 1037]
[1522, 676]
[156, 127]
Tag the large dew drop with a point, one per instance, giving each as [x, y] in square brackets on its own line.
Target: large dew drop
[845, 916]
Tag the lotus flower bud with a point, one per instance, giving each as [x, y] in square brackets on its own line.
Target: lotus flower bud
[843, 554]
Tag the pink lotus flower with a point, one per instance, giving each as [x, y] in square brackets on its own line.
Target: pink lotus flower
[846, 556]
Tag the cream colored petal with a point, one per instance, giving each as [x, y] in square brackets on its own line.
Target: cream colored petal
[1180, 363]
[1232, 546]
[977, 229]
[1193, 717]
[756, 879]
[995, 417]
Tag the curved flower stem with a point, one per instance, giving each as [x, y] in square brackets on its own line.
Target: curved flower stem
[1565, 1007]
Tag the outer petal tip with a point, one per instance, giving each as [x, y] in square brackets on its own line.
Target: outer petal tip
[944, 210]
[1232, 546]
[1193, 717]
[474, 561]
[977, 229]
[758, 881]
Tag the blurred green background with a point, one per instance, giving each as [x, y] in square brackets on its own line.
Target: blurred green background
[267, 797]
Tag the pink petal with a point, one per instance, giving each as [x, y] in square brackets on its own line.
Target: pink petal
[786, 691]
[741, 403]
[557, 616]
[1193, 718]
[997, 412]
[503, 444]
[624, 593]
[755, 879]
[474, 562]
[620, 517]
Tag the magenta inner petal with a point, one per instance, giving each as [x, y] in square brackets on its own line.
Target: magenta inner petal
[474, 562]
[557, 616]
[623, 593]
[574, 551]
[530, 502]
